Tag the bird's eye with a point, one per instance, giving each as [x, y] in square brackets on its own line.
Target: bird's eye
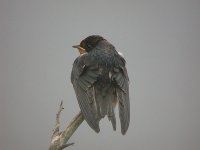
[89, 45]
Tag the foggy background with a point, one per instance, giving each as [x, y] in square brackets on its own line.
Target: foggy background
[160, 40]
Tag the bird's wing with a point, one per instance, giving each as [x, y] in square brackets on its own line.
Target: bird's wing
[83, 78]
[122, 90]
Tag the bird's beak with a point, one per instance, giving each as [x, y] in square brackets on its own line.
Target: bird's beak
[76, 46]
[81, 50]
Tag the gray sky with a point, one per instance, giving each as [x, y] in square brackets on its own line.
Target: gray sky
[160, 40]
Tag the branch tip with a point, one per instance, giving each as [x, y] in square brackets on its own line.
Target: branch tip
[59, 139]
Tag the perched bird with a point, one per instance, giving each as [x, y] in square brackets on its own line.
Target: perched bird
[100, 81]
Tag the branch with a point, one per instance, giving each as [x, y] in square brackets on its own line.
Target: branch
[59, 139]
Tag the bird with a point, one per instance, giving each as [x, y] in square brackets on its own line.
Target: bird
[100, 80]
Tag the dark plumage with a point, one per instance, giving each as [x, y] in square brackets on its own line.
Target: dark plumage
[100, 81]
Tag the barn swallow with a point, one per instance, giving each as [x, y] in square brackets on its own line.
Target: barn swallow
[100, 80]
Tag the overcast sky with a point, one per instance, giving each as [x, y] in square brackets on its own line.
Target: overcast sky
[160, 40]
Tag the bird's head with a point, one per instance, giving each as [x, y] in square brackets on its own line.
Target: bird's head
[88, 43]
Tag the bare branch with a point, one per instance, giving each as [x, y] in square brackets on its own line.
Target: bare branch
[57, 126]
[75, 123]
[59, 139]
[65, 145]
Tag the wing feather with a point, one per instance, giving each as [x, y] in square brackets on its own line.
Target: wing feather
[83, 81]
[122, 90]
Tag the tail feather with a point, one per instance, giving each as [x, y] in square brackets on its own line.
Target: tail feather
[104, 104]
[111, 115]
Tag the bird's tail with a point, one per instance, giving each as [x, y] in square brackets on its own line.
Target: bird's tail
[105, 103]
